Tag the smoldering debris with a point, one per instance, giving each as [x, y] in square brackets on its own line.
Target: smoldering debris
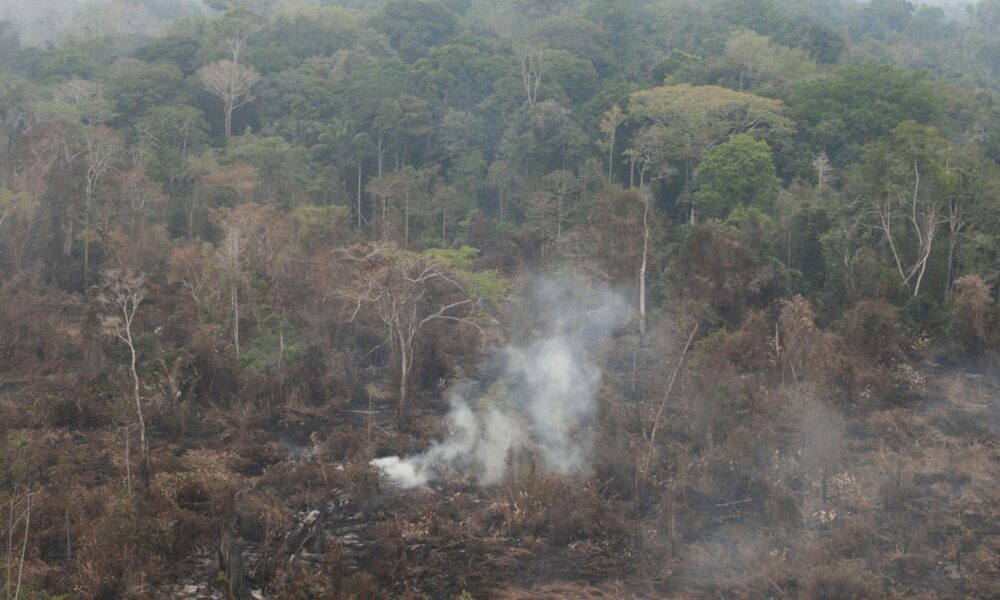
[544, 401]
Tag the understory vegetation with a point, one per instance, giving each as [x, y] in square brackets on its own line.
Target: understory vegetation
[247, 248]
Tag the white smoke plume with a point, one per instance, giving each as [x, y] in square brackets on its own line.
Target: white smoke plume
[547, 394]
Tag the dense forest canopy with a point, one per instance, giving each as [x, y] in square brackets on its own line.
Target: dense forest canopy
[721, 276]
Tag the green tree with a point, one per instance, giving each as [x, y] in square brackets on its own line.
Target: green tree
[840, 114]
[460, 76]
[414, 26]
[737, 172]
[764, 63]
[680, 123]
[180, 50]
[135, 87]
[405, 293]
[902, 180]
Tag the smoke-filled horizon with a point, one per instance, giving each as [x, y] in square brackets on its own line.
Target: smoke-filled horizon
[543, 403]
[39, 22]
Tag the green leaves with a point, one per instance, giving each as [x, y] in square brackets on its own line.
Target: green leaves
[688, 120]
[859, 104]
[737, 172]
[488, 285]
[319, 225]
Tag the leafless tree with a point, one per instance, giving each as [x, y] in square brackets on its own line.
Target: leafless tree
[406, 292]
[652, 165]
[531, 70]
[122, 293]
[101, 149]
[924, 214]
[613, 119]
[231, 82]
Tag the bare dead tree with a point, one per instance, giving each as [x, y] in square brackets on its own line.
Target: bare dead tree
[612, 120]
[100, 152]
[122, 293]
[231, 82]
[924, 214]
[652, 167]
[406, 292]
[531, 70]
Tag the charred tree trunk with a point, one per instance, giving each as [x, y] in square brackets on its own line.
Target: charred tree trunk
[229, 557]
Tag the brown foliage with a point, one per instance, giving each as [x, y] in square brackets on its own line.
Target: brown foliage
[872, 329]
[715, 269]
[845, 579]
[973, 306]
[558, 508]
[41, 326]
[805, 350]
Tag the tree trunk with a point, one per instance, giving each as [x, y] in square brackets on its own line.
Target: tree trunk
[86, 260]
[359, 195]
[310, 529]
[10, 549]
[950, 272]
[611, 154]
[405, 359]
[229, 118]
[194, 208]
[128, 460]
[67, 245]
[229, 557]
[24, 547]
[235, 299]
[404, 377]
[642, 267]
[143, 445]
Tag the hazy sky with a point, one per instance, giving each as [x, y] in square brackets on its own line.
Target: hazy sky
[40, 21]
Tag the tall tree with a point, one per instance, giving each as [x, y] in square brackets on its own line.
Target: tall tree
[408, 292]
[231, 82]
[121, 294]
[686, 121]
[901, 181]
[738, 171]
[101, 151]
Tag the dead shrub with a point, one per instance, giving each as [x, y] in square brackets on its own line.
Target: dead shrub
[852, 537]
[560, 509]
[388, 537]
[290, 476]
[805, 351]
[264, 517]
[362, 479]
[896, 489]
[972, 305]
[892, 425]
[341, 444]
[873, 330]
[333, 579]
[719, 399]
[842, 580]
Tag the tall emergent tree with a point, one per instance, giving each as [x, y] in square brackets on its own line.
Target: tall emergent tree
[231, 82]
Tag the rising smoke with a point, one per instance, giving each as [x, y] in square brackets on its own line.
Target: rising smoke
[545, 399]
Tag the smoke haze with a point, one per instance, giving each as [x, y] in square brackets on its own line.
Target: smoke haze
[544, 403]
